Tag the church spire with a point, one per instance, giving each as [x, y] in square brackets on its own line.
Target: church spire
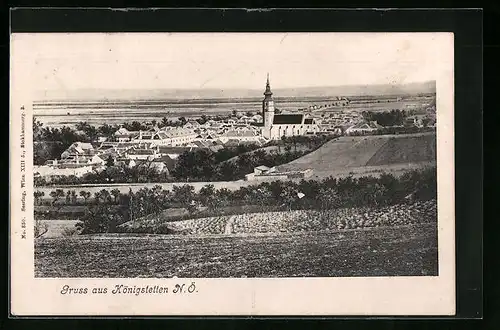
[268, 87]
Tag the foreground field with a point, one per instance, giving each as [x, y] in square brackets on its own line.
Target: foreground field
[384, 251]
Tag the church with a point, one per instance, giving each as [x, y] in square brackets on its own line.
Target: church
[276, 126]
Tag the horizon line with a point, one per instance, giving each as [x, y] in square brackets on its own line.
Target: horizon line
[244, 88]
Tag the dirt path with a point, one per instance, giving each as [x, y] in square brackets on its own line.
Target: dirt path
[229, 225]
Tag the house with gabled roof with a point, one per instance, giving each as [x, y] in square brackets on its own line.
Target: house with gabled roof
[124, 135]
[79, 149]
[363, 127]
[168, 136]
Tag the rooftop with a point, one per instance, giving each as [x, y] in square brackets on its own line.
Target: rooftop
[287, 119]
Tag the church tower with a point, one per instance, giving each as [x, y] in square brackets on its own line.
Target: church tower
[268, 106]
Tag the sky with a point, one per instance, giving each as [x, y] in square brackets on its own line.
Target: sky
[228, 60]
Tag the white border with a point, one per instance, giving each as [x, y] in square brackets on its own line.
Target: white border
[294, 296]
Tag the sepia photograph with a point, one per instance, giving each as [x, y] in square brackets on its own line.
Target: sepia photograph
[264, 155]
[232, 173]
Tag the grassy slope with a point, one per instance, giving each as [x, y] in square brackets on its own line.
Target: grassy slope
[407, 149]
[268, 149]
[407, 250]
[360, 151]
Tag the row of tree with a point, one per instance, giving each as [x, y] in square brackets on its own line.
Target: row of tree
[70, 197]
[104, 216]
[394, 117]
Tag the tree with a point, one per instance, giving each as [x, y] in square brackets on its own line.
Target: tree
[38, 195]
[206, 196]
[100, 218]
[116, 194]
[41, 228]
[68, 197]
[85, 195]
[73, 197]
[184, 195]
[107, 131]
[289, 195]
[103, 196]
[110, 162]
[226, 171]
[56, 195]
[37, 129]
[182, 121]
[260, 155]
[328, 197]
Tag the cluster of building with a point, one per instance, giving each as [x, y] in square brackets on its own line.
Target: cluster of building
[157, 147]
[160, 147]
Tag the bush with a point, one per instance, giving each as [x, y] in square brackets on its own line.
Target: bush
[41, 228]
[330, 193]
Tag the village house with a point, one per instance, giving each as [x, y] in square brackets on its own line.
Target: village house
[168, 136]
[256, 119]
[274, 173]
[49, 172]
[72, 165]
[143, 154]
[159, 166]
[172, 152]
[192, 124]
[117, 147]
[331, 129]
[130, 163]
[79, 149]
[363, 127]
[124, 135]
[246, 135]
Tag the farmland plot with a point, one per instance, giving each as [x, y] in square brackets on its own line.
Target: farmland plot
[409, 250]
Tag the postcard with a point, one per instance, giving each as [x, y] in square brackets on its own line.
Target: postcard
[253, 174]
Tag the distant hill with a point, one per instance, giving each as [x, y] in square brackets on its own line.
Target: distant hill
[176, 94]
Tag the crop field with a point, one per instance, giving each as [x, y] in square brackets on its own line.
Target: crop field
[365, 154]
[295, 221]
[409, 250]
[59, 113]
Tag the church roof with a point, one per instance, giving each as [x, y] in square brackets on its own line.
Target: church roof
[287, 119]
